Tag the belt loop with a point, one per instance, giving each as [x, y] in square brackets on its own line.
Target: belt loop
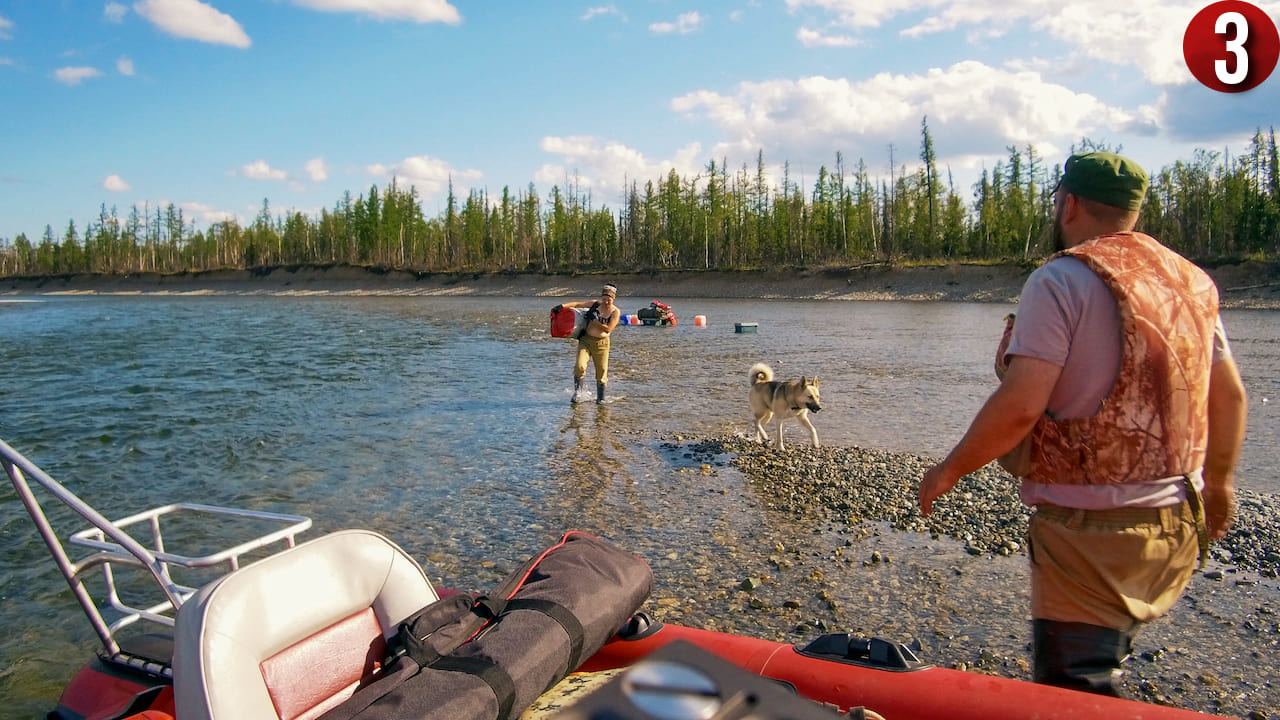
[1076, 520]
[1196, 504]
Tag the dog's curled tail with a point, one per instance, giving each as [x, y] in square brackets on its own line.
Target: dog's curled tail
[761, 373]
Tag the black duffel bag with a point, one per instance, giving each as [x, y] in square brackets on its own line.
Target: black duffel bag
[488, 656]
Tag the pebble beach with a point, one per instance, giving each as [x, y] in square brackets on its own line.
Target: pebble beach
[1217, 651]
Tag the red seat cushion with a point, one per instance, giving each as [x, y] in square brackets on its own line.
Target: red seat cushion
[309, 677]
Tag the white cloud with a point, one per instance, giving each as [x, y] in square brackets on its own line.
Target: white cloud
[260, 170]
[1144, 35]
[429, 175]
[115, 183]
[209, 215]
[595, 12]
[114, 12]
[317, 170]
[860, 14]
[6, 27]
[423, 11]
[75, 75]
[7, 61]
[971, 109]
[603, 166]
[193, 20]
[813, 38]
[125, 66]
[684, 24]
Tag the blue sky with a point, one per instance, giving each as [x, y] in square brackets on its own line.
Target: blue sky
[216, 105]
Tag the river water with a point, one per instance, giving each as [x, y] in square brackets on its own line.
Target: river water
[446, 424]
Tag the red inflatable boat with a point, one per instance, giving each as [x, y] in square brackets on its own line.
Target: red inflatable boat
[285, 630]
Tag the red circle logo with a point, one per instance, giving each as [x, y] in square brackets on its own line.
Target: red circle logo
[1231, 46]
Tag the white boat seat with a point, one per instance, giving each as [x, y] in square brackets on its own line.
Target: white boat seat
[293, 635]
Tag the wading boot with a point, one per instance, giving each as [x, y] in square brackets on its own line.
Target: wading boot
[599, 393]
[577, 385]
[1079, 656]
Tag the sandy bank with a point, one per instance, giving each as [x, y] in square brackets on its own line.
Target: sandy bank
[1251, 284]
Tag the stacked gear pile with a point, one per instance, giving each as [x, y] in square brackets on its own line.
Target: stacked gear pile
[657, 314]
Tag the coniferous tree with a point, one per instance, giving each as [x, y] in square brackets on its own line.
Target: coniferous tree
[929, 243]
[1211, 205]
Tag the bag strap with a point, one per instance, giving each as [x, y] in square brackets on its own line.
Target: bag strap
[498, 679]
[504, 689]
[393, 675]
[414, 636]
[489, 608]
[563, 616]
[483, 609]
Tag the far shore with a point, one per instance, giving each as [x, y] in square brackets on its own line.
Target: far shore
[1241, 285]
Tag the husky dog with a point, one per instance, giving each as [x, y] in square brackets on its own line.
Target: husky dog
[784, 398]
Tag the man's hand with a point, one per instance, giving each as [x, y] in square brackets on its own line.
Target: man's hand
[1219, 510]
[935, 483]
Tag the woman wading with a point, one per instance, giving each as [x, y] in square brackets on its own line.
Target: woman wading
[593, 343]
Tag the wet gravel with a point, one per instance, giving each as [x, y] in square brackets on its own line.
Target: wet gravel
[983, 511]
[850, 552]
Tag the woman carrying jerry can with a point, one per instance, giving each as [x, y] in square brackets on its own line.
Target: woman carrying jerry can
[601, 317]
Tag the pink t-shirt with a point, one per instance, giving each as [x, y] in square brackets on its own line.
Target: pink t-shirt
[1068, 316]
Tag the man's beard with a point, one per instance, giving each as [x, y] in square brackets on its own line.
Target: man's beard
[1059, 242]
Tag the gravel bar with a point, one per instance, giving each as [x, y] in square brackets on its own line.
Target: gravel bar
[861, 558]
[983, 510]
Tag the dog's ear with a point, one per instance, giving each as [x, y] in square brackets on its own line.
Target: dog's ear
[804, 380]
[815, 381]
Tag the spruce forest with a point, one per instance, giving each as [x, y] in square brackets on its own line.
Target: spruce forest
[1210, 207]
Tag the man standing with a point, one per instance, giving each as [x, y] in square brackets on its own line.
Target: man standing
[1122, 412]
[602, 317]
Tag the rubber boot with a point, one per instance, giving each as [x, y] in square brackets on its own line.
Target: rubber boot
[599, 393]
[577, 385]
[1079, 656]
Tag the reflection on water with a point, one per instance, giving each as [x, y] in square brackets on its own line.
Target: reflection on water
[446, 424]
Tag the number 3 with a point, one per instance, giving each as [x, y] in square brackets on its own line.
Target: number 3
[1231, 46]
[1235, 46]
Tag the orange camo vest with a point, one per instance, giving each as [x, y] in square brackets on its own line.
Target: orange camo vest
[1154, 424]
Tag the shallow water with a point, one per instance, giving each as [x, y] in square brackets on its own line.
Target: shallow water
[445, 423]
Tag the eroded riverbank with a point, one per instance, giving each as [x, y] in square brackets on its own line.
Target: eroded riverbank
[1247, 284]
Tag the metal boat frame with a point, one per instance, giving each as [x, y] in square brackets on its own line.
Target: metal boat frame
[109, 544]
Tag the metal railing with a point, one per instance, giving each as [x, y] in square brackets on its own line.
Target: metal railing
[109, 544]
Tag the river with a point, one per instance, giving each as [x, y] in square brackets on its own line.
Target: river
[445, 423]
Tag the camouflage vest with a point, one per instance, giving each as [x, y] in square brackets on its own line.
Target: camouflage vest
[1154, 423]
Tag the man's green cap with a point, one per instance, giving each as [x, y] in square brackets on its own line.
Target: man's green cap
[1108, 178]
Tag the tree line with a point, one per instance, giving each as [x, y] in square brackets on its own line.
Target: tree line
[1214, 206]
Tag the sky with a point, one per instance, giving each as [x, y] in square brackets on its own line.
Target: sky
[216, 106]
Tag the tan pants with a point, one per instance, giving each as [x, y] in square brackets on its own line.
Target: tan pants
[1114, 568]
[596, 350]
